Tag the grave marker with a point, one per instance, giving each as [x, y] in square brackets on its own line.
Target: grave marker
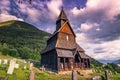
[16, 65]
[96, 78]
[74, 75]
[0, 61]
[11, 66]
[31, 66]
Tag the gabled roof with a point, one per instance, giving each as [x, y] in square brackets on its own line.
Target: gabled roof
[62, 27]
[79, 48]
[83, 55]
[49, 47]
[64, 53]
[69, 27]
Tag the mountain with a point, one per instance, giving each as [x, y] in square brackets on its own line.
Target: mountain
[95, 62]
[22, 38]
[117, 61]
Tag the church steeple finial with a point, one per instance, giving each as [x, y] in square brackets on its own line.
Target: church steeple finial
[62, 15]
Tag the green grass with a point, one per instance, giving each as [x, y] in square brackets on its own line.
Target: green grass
[51, 76]
[115, 77]
[4, 57]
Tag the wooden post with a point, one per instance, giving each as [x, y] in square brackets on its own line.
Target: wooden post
[107, 75]
[74, 75]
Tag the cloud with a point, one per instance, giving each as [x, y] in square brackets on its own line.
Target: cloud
[102, 9]
[54, 7]
[99, 51]
[6, 17]
[4, 6]
[87, 26]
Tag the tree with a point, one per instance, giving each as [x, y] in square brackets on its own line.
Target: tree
[24, 52]
[5, 51]
[13, 52]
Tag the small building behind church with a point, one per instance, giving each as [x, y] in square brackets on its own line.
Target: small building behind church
[62, 53]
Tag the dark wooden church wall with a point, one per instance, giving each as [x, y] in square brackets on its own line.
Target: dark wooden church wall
[49, 60]
[65, 63]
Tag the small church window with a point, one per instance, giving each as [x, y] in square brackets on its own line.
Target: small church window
[67, 37]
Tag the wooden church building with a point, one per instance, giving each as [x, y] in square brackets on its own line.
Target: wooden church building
[62, 53]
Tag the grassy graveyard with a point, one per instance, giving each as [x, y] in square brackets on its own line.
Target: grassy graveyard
[19, 73]
[23, 74]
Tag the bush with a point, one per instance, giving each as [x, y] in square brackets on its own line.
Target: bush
[13, 52]
[5, 51]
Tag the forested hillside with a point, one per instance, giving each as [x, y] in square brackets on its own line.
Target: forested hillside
[20, 39]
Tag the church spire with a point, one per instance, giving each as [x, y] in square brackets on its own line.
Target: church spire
[62, 18]
[62, 15]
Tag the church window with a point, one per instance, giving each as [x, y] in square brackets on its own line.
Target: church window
[67, 37]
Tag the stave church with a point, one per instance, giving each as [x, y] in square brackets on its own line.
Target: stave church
[62, 53]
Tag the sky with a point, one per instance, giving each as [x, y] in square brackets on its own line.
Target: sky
[95, 22]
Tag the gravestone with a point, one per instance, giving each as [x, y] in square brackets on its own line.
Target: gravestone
[11, 66]
[0, 61]
[74, 75]
[96, 78]
[107, 75]
[16, 65]
[5, 61]
[31, 66]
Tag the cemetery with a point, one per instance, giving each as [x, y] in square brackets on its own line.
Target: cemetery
[19, 69]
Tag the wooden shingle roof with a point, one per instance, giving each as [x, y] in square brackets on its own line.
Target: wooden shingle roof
[64, 53]
[83, 55]
[49, 47]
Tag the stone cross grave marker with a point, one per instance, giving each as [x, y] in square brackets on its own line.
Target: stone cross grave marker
[11, 66]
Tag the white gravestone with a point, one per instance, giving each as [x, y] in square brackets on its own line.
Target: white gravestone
[31, 66]
[96, 78]
[0, 61]
[11, 66]
[5, 61]
[16, 65]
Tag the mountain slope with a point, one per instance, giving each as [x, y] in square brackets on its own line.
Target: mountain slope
[22, 37]
[117, 61]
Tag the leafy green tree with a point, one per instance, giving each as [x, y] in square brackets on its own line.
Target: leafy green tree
[5, 51]
[24, 52]
[13, 52]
